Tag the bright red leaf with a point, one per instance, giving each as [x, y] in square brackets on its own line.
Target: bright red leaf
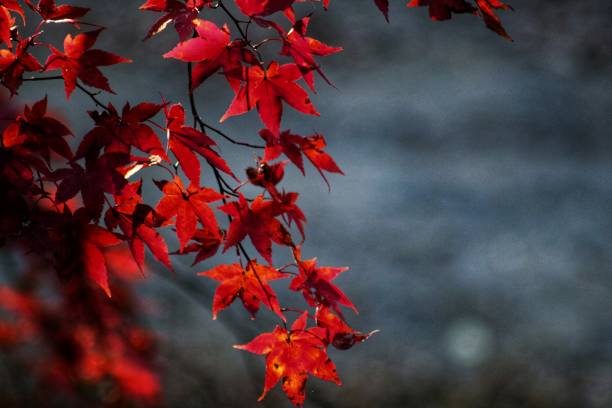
[212, 50]
[137, 222]
[293, 146]
[487, 9]
[317, 287]
[258, 222]
[94, 240]
[14, 65]
[185, 142]
[266, 89]
[207, 243]
[303, 49]
[262, 8]
[79, 61]
[188, 205]
[250, 284]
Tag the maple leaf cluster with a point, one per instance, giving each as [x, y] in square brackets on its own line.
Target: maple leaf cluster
[73, 201]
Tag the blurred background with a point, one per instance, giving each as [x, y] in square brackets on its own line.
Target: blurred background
[476, 210]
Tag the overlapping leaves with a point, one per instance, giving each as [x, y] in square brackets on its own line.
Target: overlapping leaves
[83, 205]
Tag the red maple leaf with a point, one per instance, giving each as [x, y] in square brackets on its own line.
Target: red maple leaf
[101, 175]
[185, 142]
[137, 222]
[293, 146]
[254, 8]
[96, 238]
[250, 284]
[212, 50]
[7, 21]
[14, 65]
[18, 163]
[491, 20]
[207, 243]
[444, 9]
[50, 11]
[79, 61]
[258, 222]
[180, 13]
[189, 206]
[303, 49]
[117, 133]
[38, 132]
[291, 356]
[266, 89]
[315, 284]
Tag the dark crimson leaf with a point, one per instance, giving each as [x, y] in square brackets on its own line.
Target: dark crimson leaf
[38, 132]
[49, 10]
[117, 133]
[339, 334]
[180, 13]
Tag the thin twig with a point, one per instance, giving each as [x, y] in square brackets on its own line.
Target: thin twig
[49, 78]
[197, 119]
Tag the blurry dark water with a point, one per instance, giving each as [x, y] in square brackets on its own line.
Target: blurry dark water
[476, 210]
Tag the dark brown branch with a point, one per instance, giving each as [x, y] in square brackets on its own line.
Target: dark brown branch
[50, 78]
[243, 34]
[197, 119]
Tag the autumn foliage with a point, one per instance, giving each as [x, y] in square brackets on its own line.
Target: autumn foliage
[73, 204]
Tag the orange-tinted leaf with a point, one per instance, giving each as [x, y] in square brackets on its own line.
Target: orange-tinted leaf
[291, 356]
